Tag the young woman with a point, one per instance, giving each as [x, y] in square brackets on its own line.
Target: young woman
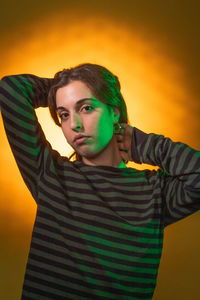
[98, 232]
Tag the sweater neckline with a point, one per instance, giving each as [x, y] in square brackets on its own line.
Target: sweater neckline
[117, 169]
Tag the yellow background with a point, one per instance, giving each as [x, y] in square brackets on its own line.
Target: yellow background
[154, 49]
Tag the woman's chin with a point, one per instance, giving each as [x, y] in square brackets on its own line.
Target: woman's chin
[84, 152]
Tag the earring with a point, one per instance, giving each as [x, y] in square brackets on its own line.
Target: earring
[117, 128]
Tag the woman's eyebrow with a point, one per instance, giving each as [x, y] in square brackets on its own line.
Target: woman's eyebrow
[78, 103]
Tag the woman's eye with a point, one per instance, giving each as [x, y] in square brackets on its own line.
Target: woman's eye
[64, 116]
[88, 108]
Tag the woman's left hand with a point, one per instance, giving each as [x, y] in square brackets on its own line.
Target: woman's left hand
[124, 138]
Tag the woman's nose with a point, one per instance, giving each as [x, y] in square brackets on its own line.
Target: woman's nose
[76, 122]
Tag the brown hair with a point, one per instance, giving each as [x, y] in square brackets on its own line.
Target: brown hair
[104, 85]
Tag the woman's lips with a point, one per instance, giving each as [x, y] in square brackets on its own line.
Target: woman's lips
[80, 139]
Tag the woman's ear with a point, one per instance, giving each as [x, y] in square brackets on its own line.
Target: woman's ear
[116, 115]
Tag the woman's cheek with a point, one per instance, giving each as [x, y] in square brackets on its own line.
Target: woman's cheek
[66, 133]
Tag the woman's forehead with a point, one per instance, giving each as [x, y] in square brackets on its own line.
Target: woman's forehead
[73, 92]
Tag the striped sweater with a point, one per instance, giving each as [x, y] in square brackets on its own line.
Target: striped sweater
[98, 232]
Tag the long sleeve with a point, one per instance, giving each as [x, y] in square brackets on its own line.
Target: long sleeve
[19, 95]
[179, 173]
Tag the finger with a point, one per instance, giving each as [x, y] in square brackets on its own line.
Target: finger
[124, 155]
[122, 149]
[121, 145]
[125, 150]
[119, 138]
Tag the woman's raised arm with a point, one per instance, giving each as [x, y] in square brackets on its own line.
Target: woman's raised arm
[19, 95]
[179, 173]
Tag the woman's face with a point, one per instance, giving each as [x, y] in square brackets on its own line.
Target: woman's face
[87, 123]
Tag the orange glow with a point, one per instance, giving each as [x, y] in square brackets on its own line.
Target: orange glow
[156, 94]
[151, 83]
